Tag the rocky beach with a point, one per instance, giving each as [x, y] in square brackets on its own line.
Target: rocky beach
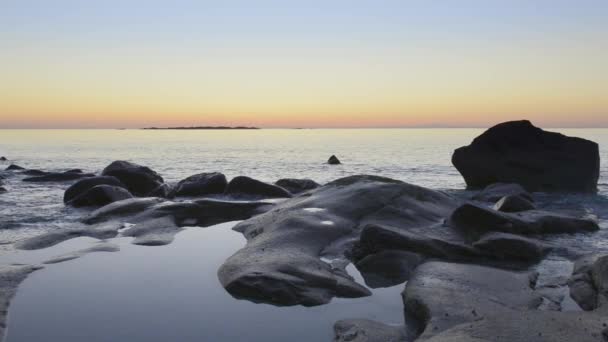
[516, 255]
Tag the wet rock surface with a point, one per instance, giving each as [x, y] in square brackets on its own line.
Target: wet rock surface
[201, 184]
[10, 278]
[296, 185]
[513, 204]
[102, 231]
[247, 186]
[139, 180]
[100, 195]
[123, 208]
[519, 152]
[83, 185]
[589, 282]
[495, 192]
[58, 177]
[363, 330]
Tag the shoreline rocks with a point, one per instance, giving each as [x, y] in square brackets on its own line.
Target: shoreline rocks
[82, 186]
[297, 186]
[100, 195]
[333, 160]
[139, 180]
[518, 152]
[243, 185]
[200, 184]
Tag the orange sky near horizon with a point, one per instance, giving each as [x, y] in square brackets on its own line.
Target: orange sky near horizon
[422, 66]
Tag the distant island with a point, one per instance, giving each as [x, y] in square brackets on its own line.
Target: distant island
[203, 127]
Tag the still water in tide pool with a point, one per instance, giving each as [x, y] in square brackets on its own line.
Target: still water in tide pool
[171, 293]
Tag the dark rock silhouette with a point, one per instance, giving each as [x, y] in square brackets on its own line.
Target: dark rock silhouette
[494, 192]
[512, 204]
[333, 160]
[58, 177]
[14, 167]
[201, 184]
[85, 184]
[296, 186]
[518, 152]
[34, 172]
[100, 195]
[3, 158]
[243, 185]
[3, 190]
[140, 180]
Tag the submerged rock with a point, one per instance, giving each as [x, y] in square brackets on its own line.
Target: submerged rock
[281, 262]
[14, 167]
[10, 278]
[243, 185]
[201, 184]
[296, 186]
[153, 232]
[496, 191]
[58, 177]
[84, 185]
[3, 158]
[333, 160]
[139, 180]
[100, 195]
[127, 207]
[513, 204]
[516, 151]
[104, 231]
[477, 220]
[363, 330]
[100, 247]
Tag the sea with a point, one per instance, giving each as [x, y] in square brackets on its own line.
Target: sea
[171, 293]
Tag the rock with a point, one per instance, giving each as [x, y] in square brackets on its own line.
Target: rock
[518, 152]
[388, 268]
[10, 278]
[476, 221]
[153, 232]
[3, 190]
[58, 177]
[85, 184]
[363, 330]
[281, 262]
[333, 160]
[14, 167]
[589, 282]
[513, 204]
[200, 185]
[3, 158]
[74, 171]
[442, 295]
[495, 192]
[140, 180]
[104, 231]
[34, 172]
[100, 195]
[296, 186]
[248, 186]
[100, 247]
[127, 207]
[163, 191]
[509, 246]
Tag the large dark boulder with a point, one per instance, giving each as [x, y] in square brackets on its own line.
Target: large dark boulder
[140, 180]
[519, 152]
[281, 263]
[58, 177]
[296, 186]
[86, 184]
[200, 185]
[243, 185]
[100, 195]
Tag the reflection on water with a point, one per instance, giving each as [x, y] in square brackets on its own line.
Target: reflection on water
[171, 293]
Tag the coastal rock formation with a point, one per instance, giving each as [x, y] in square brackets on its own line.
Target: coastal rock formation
[102, 231]
[58, 177]
[139, 180]
[296, 186]
[100, 195]
[99, 247]
[243, 185]
[333, 160]
[14, 167]
[84, 185]
[363, 330]
[3, 190]
[518, 152]
[509, 246]
[3, 158]
[477, 220]
[153, 232]
[589, 282]
[34, 172]
[513, 204]
[281, 262]
[127, 207]
[494, 192]
[201, 184]
[388, 267]
[10, 278]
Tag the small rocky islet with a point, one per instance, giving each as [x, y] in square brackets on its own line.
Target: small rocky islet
[467, 262]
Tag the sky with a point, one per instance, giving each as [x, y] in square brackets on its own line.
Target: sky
[122, 64]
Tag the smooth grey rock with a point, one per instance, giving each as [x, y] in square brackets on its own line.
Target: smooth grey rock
[163, 190]
[200, 185]
[518, 152]
[153, 232]
[58, 177]
[86, 184]
[10, 278]
[388, 268]
[496, 191]
[127, 207]
[102, 231]
[589, 282]
[442, 295]
[100, 195]
[243, 185]
[333, 160]
[477, 220]
[510, 246]
[100, 247]
[513, 204]
[140, 180]
[281, 262]
[296, 186]
[363, 330]
[14, 167]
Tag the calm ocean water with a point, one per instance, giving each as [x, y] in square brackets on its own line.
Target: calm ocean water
[171, 293]
[419, 156]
